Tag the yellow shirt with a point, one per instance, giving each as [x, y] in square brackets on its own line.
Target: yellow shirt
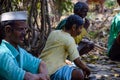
[58, 47]
[79, 37]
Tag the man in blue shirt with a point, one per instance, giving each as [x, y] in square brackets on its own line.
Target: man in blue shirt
[15, 62]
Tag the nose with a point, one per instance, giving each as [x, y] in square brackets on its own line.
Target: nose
[23, 31]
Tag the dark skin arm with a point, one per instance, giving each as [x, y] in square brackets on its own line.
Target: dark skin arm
[43, 73]
[86, 24]
[82, 66]
[43, 70]
[30, 76]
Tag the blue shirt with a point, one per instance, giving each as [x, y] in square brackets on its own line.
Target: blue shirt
[14, 63]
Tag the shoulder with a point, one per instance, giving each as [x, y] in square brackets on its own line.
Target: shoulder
[5, 57]
[61, 36]
[24, 52]
[61, 24]
[22, 49]
[117, 16]
[4, 50]
[55, 33]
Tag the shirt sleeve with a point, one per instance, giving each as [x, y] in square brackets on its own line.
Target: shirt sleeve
[114, 30]
[8, 69]
[118, 23]
[30, 63]
[72, 49]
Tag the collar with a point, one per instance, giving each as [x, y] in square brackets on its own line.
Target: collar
[13, 50]
[66, 32]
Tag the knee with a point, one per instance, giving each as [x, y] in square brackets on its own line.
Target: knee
[77, 74]
[92, 45]
[81, 76]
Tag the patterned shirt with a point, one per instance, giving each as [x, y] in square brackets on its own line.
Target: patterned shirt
[14, 63]
[58, 47]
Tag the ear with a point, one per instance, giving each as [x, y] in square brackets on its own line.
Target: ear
[8, 29]
[74, 27]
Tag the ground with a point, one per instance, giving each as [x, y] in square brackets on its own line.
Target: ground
[102, 68]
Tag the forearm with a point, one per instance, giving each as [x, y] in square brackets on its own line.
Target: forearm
[80, 64]
[28, 76]
[86, 24]
[40, 76]
[43, 68]
[43, 72]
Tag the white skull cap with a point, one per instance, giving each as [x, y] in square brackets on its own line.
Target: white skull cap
[17, 15]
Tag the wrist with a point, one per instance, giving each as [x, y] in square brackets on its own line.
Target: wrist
[27, 76]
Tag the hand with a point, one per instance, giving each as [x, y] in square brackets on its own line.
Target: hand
[30, 76]
[68, 62]
[35, 77]
[82, 66]
[86, 72]
[86, 24]
[43, 77]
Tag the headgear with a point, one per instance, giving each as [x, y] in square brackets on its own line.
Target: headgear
[18, 15]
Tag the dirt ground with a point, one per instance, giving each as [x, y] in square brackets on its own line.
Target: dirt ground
[102, 68]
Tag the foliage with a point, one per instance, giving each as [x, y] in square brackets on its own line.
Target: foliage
[64, 6]
[92, 34]
[59, 8]
[38, 19]
[67, 7]
[110, 3]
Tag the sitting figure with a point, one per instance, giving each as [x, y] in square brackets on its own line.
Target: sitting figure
[15, 62]
[81, 9]
[59, 46]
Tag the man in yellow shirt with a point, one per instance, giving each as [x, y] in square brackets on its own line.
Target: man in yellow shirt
[60, 45]
[81, 9]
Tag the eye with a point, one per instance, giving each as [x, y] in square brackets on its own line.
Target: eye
[21, 29]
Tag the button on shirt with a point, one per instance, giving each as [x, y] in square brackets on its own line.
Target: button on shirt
[14, 63]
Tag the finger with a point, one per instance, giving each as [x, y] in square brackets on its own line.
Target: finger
[48, 78]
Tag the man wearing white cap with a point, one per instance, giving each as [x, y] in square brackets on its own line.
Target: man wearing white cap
[15, 62]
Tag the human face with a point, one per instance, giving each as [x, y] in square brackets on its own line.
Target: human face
[76, 31]
[83, 12]
[18, 33]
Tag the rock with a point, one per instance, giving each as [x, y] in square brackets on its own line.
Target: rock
[117, 69]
